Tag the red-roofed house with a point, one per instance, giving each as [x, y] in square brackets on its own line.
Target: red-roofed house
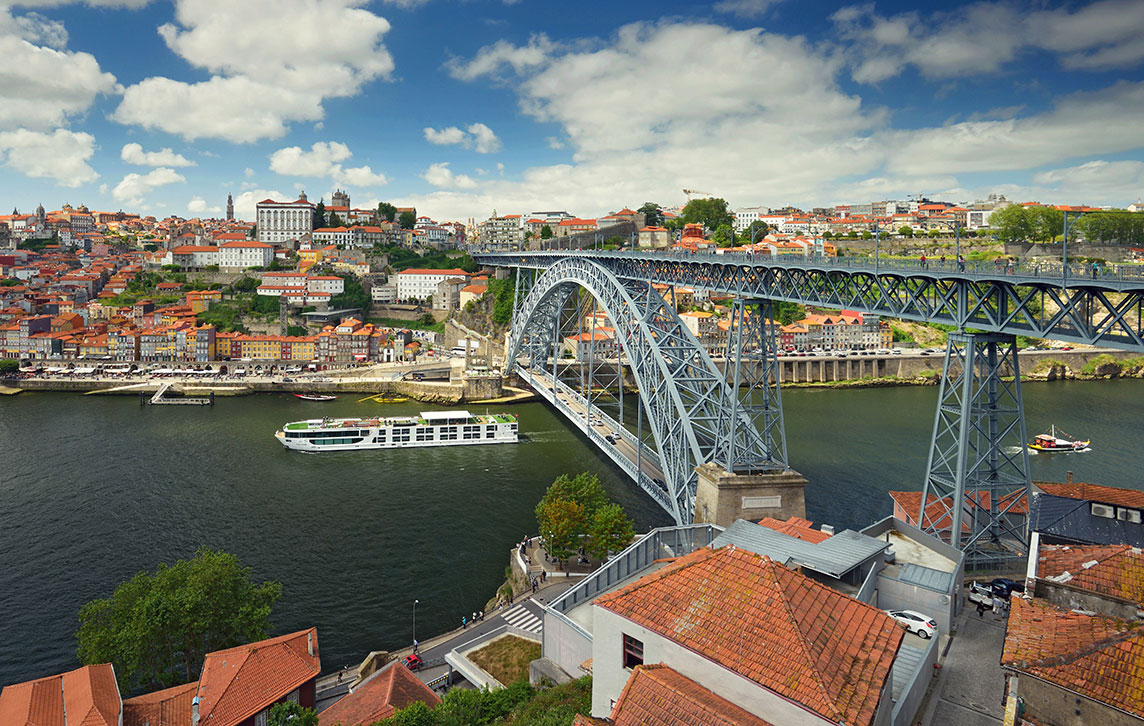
[656, 695]
[419, 284]
[378, 697]
[761, 636]
[238, 686]
[87, 696]
[169, 707]
[241, 254]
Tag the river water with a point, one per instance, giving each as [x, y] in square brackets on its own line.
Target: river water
[95, 489]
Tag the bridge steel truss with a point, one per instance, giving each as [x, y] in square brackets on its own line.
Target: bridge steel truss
[693, 413]
[977, 484]
[1099, 311]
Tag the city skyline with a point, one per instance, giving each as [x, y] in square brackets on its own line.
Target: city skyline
[164, 108]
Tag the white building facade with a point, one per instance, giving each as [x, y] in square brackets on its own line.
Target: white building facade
[282, 221]
[420, 284]
[244, 254]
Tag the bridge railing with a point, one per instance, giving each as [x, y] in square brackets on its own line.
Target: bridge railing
[1040, 271]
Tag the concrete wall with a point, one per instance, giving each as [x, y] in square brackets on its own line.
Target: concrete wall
[1073, 598]
[915, 690]
[609, 675]
[1112, 253]
[897, 595]
[1054, 705]
[564, 643]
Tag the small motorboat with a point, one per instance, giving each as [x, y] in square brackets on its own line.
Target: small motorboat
[320, 398]
[1057, 441]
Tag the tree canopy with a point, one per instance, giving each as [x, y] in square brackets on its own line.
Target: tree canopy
[712, 213]
[757, 230]
[578, 505]
[319, 215]
[386, 211]
[546, 232]
[407, 220]
[156, 628]
[352, 296]
[1019, 224]
[1116, 226]
[288, 713]
[653, 213]
[8, 366]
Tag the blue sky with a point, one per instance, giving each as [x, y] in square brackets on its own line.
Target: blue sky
[463, 107]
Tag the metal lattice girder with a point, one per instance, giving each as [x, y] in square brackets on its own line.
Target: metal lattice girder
[978, 470]
[1105, 310]
[754, 408]
[681, 390]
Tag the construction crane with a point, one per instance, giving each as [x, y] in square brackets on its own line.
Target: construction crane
[689, 192]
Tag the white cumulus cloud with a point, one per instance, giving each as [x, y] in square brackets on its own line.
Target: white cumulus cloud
[477, 136]
[133, 154]
[61, 155]
[198, 206]
[324, 160]
[134, 188]
[440, 175]
[262, 80]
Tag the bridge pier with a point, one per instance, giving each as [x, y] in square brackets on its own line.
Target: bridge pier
[721, 496]
[977, 485]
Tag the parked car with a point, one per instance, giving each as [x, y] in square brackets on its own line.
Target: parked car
[915, 622]
[982, 594]
[413, 662]
[1004, 587]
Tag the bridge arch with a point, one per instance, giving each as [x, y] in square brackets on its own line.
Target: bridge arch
[683, 395]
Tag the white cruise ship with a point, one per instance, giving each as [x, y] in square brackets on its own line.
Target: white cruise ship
[429, 428]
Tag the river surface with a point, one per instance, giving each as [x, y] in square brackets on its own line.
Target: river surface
[94, 489]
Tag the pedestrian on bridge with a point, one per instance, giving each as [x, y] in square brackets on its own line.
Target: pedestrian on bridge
[961, 263]
[464, 622]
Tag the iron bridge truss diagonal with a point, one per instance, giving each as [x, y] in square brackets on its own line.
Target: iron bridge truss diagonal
[1092, 311]
[683, 395]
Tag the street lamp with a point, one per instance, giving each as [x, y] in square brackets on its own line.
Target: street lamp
[415, 625]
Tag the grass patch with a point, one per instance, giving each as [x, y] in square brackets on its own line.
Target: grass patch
[1132, 363]
[1101, 360]
[556, 706]
[1047, 364]
[929, 373]
[506, 659]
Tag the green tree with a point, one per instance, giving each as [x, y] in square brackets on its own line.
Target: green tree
[295, 331]
[546, 232]
[585, 489]
[827, 235]
[906, 231]
[352, 296]
[8, 366]
[560, 523]
[610, 530]
[1011, 224]
[245, 284]
[867, 235]
[335, 220]
[254, 231]
[291, 714]
[1047, 223]
[653, 213]
[712, 213]
[407, 220]
[724, 236]
[156, 628]
[757, 230]
[319, 215]
[1116, 226]
[415, 714]
[386, 211]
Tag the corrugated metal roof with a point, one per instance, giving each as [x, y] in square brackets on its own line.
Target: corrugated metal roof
[835, 556]
[925, 577]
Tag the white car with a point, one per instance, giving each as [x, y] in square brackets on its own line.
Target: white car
[915, 622]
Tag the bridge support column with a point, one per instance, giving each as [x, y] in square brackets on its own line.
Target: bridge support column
[977, 484]
[721, 497]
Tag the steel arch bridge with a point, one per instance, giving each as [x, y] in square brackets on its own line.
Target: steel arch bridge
[973, 480]
[1074, 303]
[691, 409]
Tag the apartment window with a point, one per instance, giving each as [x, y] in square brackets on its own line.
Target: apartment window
[633, 652]
[260, 718]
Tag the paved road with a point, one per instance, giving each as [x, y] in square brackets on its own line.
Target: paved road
[971, 685]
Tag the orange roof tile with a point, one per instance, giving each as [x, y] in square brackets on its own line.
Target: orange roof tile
[1094, 493]
[1113, 570]
[788, 633]
[937, 509]
[87, 696]
[796, 527]
[239, 682]
[659, 696]
[381, 694]
[169, 707]
[1098, 657]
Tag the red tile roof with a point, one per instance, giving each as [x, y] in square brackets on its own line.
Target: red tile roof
[796, 527]
[169, 707]
[1100, 658]
[1113, 570]
[938, 509]
[659, 696]
[381, 694]
[239, 682]
[87, 696]
[784, 631]
[1094, 493]
[448, 273]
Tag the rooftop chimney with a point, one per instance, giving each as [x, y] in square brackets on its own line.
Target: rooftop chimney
[195, 711]
[310, 643]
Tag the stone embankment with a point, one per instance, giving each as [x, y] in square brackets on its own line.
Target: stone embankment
[1100, 367]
